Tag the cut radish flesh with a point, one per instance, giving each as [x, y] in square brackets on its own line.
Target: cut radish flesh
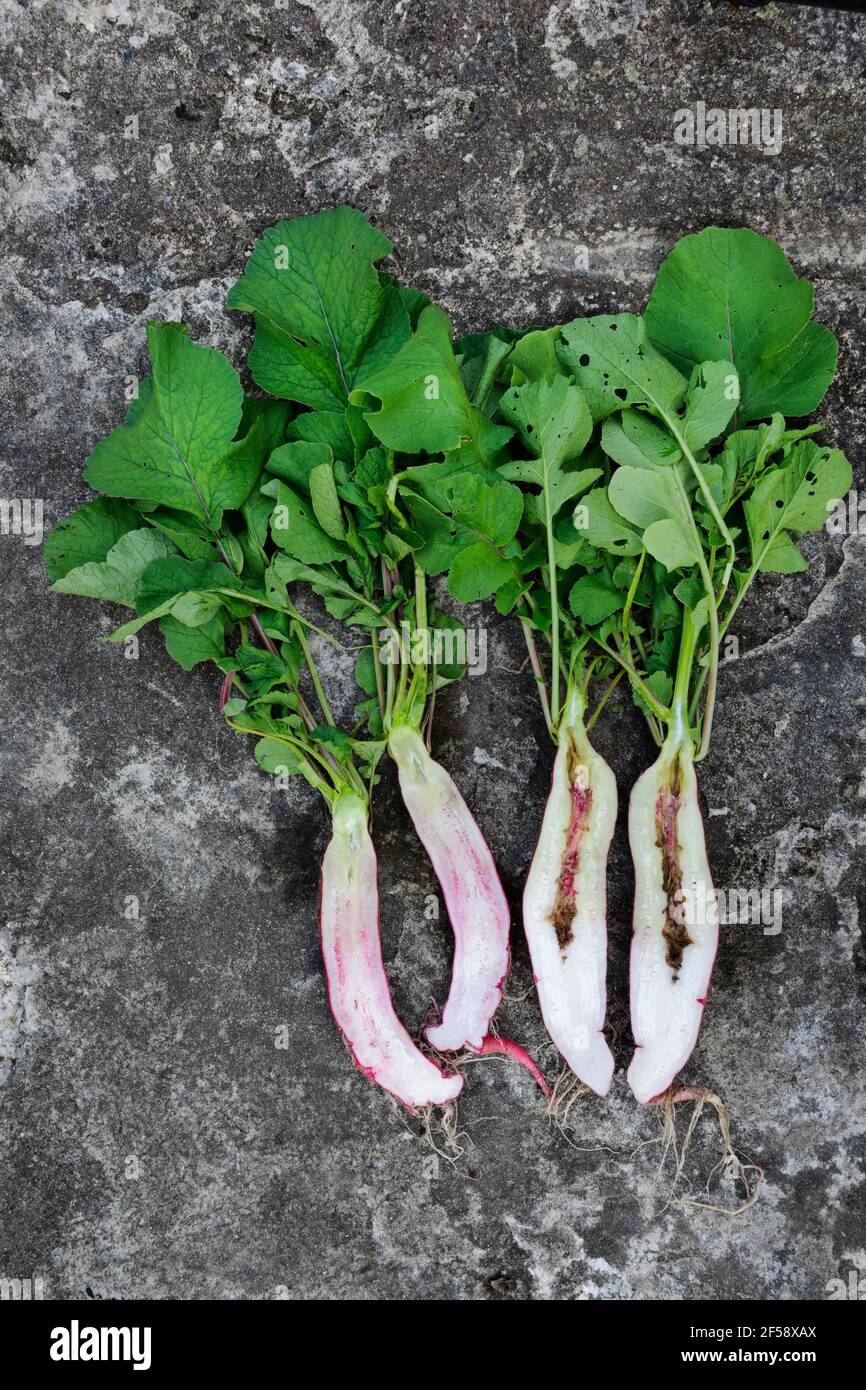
[357, 984]
[470, 885]
[676, 920]
[565, 903]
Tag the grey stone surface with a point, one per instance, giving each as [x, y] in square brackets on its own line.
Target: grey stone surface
[155, 1142]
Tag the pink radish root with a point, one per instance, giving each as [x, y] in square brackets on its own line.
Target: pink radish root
[358, 989]
[473, 894]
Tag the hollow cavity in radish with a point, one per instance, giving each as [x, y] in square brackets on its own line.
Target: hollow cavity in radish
[473, 894]
[676, 920]
[358, 989]
[565, 902]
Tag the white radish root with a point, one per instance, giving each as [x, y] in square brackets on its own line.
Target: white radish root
[565, 903]
[676, 920]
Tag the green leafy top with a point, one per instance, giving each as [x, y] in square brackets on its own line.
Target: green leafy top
[733, 296]
[649, 505]
[181, 536]
[215, 507]
[617, 483]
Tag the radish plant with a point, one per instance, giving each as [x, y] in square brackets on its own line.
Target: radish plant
[564, 901]
[470, 511]
[666, 436]
[187, 533]
[216, 508]
[701, 487]
[374, 365]
[616, 483]
[698, 505]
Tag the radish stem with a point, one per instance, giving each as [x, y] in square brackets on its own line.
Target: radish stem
[537, 671]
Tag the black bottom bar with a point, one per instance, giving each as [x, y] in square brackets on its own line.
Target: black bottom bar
[62, 1339]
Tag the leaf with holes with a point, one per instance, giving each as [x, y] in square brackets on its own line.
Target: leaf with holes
[615, 365]
[795, 498]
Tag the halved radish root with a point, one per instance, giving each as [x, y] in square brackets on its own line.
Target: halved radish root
[358, 989]
[474, 899]
[565, 901]
[676, 919]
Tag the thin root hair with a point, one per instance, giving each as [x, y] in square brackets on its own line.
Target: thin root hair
[731, 1163]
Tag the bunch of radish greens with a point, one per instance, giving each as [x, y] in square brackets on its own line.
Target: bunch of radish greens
[616, 484]
[215, 508]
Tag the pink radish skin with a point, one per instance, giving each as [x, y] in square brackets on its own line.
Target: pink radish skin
[470, 885]
[565, 902]
[676, 920]
[358, 989]
[506, 1047]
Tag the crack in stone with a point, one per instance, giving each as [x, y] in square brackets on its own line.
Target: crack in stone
[815, 610]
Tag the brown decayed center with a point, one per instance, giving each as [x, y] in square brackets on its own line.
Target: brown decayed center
[674, 931]
[565, 903]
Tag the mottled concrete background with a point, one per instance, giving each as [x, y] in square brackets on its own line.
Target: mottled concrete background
[155, 1141]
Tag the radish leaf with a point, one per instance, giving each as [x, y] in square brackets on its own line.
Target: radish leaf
[87, 535]
[793, 498]
[733, 294]
[614, 363]
[323, 313]
[189, 646]
[181, 450]
[116, 578]
[423, 403]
